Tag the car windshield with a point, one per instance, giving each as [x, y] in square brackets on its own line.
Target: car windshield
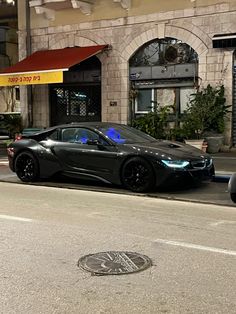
[122, 134]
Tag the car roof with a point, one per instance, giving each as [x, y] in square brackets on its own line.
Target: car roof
[88, 124]
[73, 124]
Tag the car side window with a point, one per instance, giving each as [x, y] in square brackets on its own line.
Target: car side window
[83, 135]
[53, 136]
[68, 135]
[80, 136]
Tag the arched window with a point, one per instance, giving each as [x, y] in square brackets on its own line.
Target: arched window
[163, 52]
[163, 72]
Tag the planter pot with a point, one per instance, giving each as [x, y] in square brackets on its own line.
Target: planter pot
[214, 143]
[200, 144]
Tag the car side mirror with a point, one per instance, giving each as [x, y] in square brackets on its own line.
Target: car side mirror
[93, 142]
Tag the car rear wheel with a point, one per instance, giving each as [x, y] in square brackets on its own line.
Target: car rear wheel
[26, 167]
[137, 175]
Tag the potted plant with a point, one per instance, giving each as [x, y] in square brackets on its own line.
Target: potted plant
[205, 116]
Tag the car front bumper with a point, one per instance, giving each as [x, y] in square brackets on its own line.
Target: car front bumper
[172, 177]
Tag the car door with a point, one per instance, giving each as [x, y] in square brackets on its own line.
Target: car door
[83, 150]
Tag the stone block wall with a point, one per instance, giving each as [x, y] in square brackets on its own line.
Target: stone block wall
[195, 26]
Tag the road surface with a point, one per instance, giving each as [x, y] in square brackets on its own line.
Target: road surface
[44, 231]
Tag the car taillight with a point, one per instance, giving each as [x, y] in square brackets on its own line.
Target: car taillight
[10, 151]
[18, 137]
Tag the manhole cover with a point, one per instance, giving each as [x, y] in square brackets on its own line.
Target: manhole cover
[114, 263]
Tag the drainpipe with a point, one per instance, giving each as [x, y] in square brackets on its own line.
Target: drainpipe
[28, 52]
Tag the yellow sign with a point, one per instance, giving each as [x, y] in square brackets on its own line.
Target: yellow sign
[31, 78]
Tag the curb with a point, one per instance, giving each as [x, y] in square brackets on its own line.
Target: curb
[222, 176]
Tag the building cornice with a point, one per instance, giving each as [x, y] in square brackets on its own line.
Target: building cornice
[48, 7]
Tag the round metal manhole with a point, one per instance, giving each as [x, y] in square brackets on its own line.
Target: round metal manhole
[114, 263]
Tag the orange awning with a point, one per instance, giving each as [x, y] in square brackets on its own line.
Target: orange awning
[46, 66]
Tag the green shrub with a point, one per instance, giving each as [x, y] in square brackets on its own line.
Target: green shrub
[206, 112]
[154, 123]
[13, 124]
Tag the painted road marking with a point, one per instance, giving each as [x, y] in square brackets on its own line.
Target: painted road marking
[6, 217]
[222, 222]
[222, 172]
[196, 247]
[187, 245]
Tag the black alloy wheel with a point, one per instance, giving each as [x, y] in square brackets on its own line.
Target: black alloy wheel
[26, 167]
[137, 175]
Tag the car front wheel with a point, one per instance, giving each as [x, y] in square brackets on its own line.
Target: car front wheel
[137, 175]
[26, 167]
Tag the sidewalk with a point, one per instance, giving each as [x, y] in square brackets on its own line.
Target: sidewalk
[225, 163]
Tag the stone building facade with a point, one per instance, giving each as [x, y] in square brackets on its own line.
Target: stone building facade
[192, 24]
[8, 53]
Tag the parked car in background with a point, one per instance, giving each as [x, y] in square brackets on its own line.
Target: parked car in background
[112, 153]
[232, 187]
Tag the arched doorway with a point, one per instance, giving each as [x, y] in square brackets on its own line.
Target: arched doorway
[163, 72]
[78, 99]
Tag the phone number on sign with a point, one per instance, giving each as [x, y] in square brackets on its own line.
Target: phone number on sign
[22, 79]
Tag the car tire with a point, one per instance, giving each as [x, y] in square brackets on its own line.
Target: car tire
[233, 197]
[137, 175]
[26, 167]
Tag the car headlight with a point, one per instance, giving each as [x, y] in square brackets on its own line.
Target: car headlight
[176, 163]
[209, 162]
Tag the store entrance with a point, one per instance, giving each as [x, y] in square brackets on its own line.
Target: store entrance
[75, 103]
[78, 99]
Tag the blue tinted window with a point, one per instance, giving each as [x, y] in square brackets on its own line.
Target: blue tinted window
[114, 135]
[122, 134]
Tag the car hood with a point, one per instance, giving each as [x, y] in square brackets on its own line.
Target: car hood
[169, 149]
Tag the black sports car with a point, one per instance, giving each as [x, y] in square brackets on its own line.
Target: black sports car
[112, 153]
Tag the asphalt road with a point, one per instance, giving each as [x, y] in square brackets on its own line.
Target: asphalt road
[44, 231]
